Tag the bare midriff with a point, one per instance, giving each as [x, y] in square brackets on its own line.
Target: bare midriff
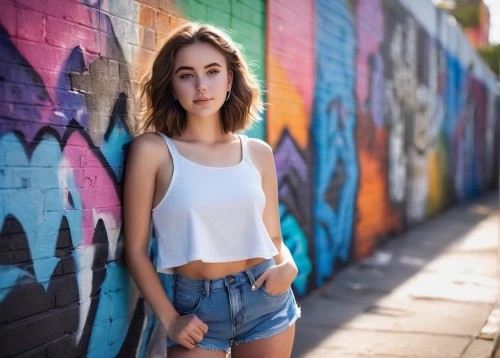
[210, 271]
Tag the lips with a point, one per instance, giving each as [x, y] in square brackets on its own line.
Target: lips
[202, 100]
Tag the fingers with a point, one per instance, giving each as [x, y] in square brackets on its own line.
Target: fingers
[193, 332]
[195, 336]
[201, 325]
[197, 330]
[190, 339]
[261, 279]
[187, 344]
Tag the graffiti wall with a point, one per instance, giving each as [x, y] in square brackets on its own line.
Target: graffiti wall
[379, 112]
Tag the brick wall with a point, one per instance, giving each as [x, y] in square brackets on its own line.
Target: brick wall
[380, 116]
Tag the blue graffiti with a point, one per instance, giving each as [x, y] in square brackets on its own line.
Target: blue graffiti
[113, 143]
[36, 180]
[113, 320]
[333, 136]
[296, 241]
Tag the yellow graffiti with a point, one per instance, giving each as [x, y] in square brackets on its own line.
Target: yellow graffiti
[437, 190]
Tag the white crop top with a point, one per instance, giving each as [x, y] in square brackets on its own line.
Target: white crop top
[213, 214]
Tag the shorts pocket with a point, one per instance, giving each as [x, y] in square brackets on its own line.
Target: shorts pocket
[187, 302]
[270, 295]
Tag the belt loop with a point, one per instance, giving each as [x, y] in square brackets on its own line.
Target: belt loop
[206, 291]
[251, 278]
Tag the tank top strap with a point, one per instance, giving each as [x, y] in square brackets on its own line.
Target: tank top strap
[170, 144]
[246, 154]
[244, 147]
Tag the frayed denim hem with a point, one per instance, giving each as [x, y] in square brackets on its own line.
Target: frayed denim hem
[213, 348]
[274, 330]
[201, 345]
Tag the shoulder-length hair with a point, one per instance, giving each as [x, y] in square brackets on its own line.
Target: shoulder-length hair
[163, 113]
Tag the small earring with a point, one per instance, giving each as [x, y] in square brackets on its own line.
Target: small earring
[227, 97]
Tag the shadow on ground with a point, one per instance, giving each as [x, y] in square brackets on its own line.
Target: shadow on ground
[361, 298]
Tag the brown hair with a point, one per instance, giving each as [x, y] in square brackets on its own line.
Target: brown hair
[165, 114]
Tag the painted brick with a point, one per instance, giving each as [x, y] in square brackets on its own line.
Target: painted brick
[33, 5]
[147, 38]
[49, 56]
[125, 10]
[81, 14]
[125, 28]
[196, 11]
[248, 14]
[303, 48]
[175, 21]
[76, 35]
[8, 18]
[100, 336]
[222, 6]
[30, 25]
[147, 16]
[247, 30]
[152, 3]
[169, 6]
[220, 19]
[258, 5]
[63, 346]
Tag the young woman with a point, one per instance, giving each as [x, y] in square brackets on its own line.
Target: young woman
[212, 197]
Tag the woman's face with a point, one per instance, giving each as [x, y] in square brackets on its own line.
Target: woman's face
[201, 79]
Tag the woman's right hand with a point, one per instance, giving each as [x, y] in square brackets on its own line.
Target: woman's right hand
[186, 330]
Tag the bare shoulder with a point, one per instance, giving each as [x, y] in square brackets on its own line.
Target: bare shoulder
[149, 143]
[258, 145]
[261, 154]
[147, 149]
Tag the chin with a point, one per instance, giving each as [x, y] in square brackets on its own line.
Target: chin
[202, 115]
[205, 113]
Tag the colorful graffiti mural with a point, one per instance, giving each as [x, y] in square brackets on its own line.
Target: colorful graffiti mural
[290, 97]
[65, 128]
[376, 214]
[376, 123]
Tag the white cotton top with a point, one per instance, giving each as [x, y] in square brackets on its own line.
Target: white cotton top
[213, 214]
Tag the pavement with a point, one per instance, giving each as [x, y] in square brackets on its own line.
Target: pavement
[426, 293]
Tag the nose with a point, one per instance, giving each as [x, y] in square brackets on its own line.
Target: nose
[201, 85]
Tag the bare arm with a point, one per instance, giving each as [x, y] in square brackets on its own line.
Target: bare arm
[139, 187]
[262, 156]
[271, 216]
[140, 177]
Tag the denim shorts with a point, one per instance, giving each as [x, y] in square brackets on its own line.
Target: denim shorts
[232, 311]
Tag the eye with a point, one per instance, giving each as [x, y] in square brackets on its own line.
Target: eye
[213, 72]
[185, 75]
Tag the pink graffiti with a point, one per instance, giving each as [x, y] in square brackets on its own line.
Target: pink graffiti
[369, 67]
[45, 33]
[97, 189]
[293, 43]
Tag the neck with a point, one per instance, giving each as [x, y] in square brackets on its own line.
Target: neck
[204, 129]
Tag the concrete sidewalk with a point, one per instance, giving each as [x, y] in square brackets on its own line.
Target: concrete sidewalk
[426, 293]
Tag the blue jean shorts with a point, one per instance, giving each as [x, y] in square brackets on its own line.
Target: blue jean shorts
[231, 310]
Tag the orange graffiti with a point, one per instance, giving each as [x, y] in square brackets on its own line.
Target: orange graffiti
[375, 216]
[286, 107]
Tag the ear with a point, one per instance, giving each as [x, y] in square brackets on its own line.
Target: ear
[229, 79]
[174, 95]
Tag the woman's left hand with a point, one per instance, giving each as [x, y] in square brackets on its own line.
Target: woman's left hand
[277, 279]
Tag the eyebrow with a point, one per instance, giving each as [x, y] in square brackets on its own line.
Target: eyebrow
[191, 68]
